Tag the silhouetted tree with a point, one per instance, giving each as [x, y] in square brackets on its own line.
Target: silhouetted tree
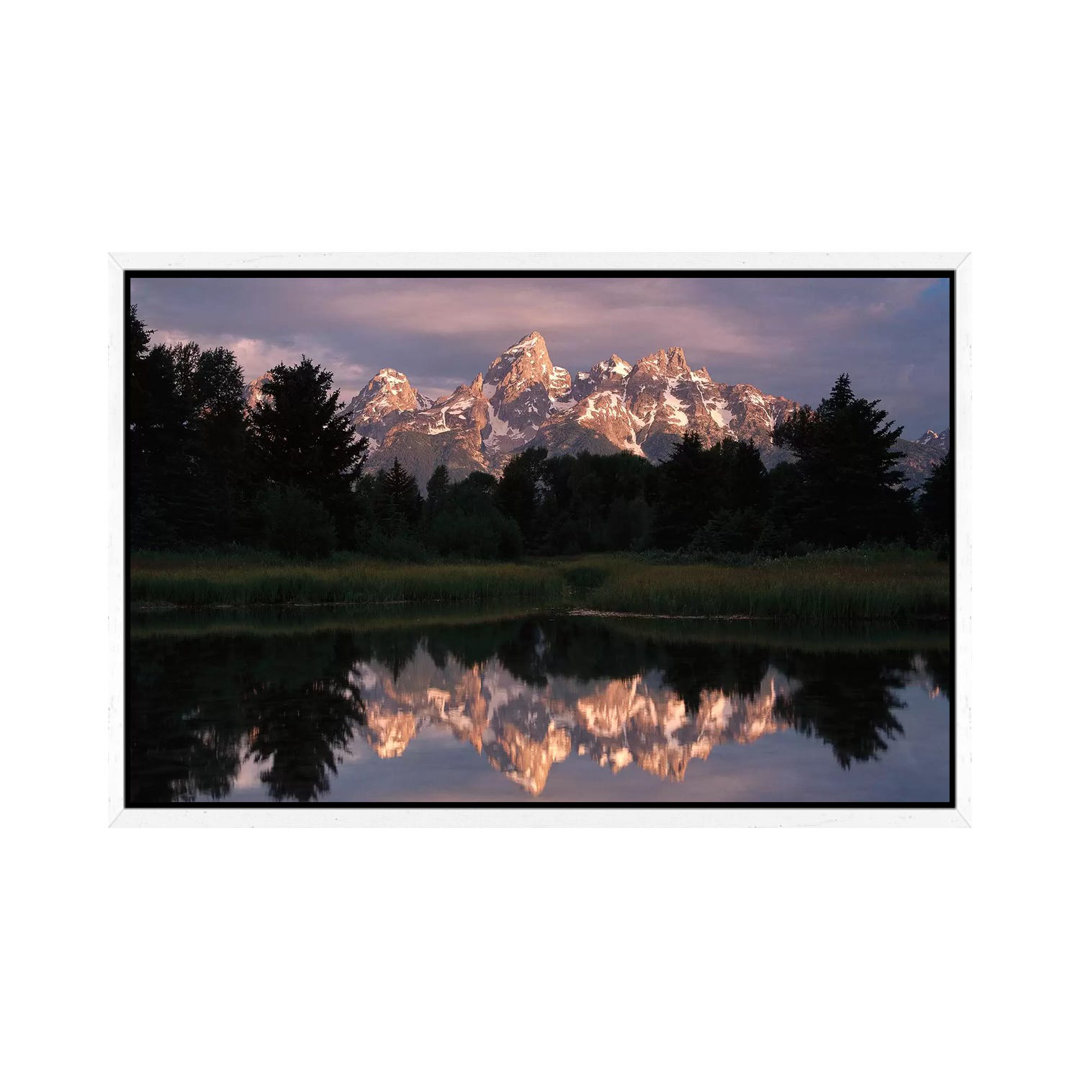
[846, 468]
[136, 340]
[437, 486]
[187, 440]
[220, 447]
[155, 437]
[684, 497]
[304, 442]
[397, 500]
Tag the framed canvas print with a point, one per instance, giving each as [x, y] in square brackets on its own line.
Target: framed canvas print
[539, 539]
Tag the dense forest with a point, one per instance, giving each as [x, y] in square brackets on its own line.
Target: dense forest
[207, 471]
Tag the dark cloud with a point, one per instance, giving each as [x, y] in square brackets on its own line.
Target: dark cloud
[789, 336]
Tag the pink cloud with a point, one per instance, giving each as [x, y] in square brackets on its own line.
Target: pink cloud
[256, 356]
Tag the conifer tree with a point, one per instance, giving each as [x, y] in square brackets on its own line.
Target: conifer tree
[398, 499]
[187, 441]
[437, 486]
[302, 440]
[686, 495]
[849, 484]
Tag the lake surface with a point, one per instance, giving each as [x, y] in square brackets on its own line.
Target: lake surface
[325, 706]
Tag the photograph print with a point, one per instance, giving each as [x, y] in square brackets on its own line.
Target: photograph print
[538, 539]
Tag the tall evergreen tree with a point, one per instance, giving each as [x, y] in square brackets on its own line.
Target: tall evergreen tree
[398, 502]
[136, 339]
[187, 441]
[850, 485]
[686, 493]
[213, 390]
[155, 436]
[303, 441]
[437, 487]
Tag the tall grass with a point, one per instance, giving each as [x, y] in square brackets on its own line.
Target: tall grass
[832, 587]
[205, 581]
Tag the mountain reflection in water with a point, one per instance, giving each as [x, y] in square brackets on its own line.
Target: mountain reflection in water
[291, 714]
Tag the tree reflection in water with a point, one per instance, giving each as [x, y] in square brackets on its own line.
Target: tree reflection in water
[847, 701]
[525, 693]
[199, 709]
[301, 726]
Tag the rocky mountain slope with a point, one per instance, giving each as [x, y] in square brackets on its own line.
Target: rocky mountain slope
[525, 400]
[922, 454]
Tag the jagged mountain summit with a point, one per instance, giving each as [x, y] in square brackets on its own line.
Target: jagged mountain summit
[525, 400]
[384, 402]
[938, 440]
[922, 454]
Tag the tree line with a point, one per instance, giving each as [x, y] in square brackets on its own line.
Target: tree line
[287, 474]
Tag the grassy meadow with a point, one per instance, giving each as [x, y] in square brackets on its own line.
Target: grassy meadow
[837, 586]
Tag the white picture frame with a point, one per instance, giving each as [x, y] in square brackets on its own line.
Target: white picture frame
[958, 815]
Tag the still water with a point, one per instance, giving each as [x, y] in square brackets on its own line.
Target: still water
[288, 708]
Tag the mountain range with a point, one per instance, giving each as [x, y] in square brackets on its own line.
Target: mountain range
[525, 400]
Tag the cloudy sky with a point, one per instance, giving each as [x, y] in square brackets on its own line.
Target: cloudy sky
[788, 336]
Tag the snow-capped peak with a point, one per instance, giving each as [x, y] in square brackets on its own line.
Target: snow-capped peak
[528, 359]
[939, 441]
[533, 339]
[386, 398]
[389, 375]
[668, 362]
[615, 365]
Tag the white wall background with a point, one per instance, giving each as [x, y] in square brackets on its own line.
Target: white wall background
[928, 126]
